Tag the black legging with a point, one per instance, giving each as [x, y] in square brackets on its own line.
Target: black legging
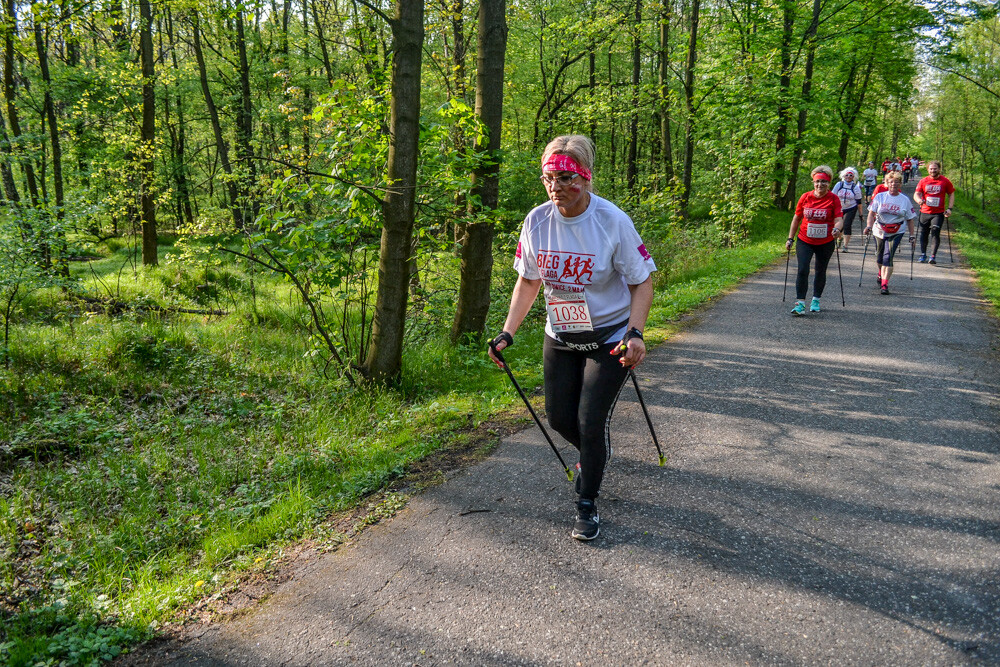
[930, 225]
[581, 389]
[804, 253]
[885, 248]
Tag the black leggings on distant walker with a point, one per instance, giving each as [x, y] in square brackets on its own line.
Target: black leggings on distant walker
[581, 389]
[930, 225]
[804, 253]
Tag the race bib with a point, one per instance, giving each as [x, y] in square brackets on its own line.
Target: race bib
[568, 311]
[933, 201]
[816, 230]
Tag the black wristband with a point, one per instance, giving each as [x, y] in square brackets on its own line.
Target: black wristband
[630, 334]
[503, 336]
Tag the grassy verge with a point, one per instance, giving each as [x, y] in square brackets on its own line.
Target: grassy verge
[147, 460]
[978, 234]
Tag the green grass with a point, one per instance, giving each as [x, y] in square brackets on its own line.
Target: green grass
[147, 460]
[978, 234]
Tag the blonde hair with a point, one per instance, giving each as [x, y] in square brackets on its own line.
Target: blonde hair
[576, 146]
[893, 176]
[822, 169]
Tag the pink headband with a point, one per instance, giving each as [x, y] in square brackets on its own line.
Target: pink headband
[820, 176]
[558, 162]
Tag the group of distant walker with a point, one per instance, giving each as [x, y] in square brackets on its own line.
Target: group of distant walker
[823, 218]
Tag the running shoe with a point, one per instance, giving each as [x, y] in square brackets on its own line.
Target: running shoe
[885, 288]
[814, 306]
[844, 249]
[931, 260]
[923, 258]
[588, 521]
[799, 309]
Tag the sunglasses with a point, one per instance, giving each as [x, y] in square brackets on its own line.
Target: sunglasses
[562, 181]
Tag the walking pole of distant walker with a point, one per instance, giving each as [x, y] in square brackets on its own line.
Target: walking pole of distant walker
[913, 249]
[649, 422]
[947, 221]
[843, 301]
[868, 237]
[788, 257]
[569, 474]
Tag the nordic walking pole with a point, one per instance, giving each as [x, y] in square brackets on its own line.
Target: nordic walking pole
[788, 257]
[947, 221]
[638, 392]
[868, 237]
[843, 301]
[496, 352]
[913, 249]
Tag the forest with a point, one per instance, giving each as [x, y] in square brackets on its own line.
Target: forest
[249, 251]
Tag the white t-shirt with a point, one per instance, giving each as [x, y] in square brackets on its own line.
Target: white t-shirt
[870, 176]
[849, 193]
[895, 166]
[597, 254]
[891, 213]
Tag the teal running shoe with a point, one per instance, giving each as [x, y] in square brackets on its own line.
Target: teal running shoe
[814, 306]
[799, 309]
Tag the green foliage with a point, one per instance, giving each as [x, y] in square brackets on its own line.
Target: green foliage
[978, 235]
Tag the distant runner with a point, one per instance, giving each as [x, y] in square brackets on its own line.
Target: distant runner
[930, 194]
[870, 178]
[886, 215]
[850, 195]
[817, 223]
[906, 169]
[885, 166]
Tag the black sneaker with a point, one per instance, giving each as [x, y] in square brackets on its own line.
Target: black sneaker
[885, 289]
[588, 521]
[931, 260]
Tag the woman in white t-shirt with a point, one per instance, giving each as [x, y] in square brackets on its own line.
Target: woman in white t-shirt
[596, 273]
[887, 214]
[870, 177]
[850, 195]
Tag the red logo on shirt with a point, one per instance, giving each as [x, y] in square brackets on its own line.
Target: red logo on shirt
[566, 267]
[517, 253]
[645, 253]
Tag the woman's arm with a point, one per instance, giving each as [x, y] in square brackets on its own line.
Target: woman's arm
[796, 221]
[641, 302]
[521, 300]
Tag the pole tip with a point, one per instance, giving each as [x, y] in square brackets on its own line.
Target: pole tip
[663, 460]
[569, 474]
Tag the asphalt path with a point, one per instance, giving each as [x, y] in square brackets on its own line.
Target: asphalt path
[832, 496]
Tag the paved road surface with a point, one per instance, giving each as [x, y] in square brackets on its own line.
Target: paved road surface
[831, 497]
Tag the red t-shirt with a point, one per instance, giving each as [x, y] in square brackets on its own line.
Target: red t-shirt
[934, 191]
[885, 165]
[881, 187]
[818, 215]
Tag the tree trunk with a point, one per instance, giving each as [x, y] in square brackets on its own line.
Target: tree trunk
[810, 39]
[10, 93]
[665, 144]
[385, 357]
[631, 171]
[9, 184]
[180, 159]
[477, 253]
[784, 92]
[147, 204]
[221, 146]
[692, 57]
[244, 128]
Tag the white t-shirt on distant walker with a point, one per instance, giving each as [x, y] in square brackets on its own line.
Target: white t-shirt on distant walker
[586, 263]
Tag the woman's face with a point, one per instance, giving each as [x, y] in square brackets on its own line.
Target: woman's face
[849, 176]
[571, 198]
[820, 187]
[894, 185]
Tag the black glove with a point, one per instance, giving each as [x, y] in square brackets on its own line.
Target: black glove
[504, 337]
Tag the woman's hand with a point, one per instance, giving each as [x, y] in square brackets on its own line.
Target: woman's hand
[633, 351]
[788, 244]
[499, 344]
